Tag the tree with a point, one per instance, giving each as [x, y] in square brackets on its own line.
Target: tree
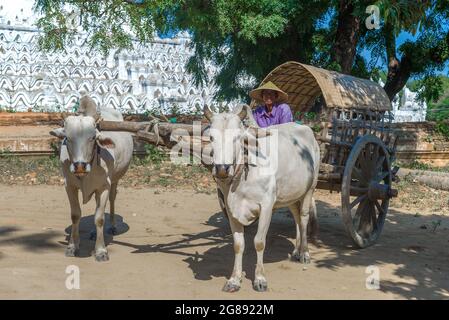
[248, 38]
[422, 57]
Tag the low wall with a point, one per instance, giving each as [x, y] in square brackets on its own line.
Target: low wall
[419, 141]
[27, 134]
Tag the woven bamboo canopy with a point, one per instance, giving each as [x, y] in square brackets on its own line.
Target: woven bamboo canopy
[304, 84]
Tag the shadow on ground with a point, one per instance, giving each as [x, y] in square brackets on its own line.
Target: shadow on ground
[415, 245]
[408, 241]
[37, 242]
[87, 233]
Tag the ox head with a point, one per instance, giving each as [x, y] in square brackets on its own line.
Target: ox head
[82, 138]
[228, 138]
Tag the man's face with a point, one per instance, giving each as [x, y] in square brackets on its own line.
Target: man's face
[269, 96]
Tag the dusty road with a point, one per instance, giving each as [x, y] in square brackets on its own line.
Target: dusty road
[176, 245]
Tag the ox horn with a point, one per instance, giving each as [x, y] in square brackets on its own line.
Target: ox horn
[97, 118]
[242, 111]
[87, 106]
[207, 112]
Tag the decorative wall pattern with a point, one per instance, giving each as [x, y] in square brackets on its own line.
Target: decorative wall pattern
[148, 77]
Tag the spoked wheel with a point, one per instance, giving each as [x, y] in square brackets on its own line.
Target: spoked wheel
[366, 190]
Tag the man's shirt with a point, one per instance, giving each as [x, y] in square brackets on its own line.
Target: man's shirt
[280, 113]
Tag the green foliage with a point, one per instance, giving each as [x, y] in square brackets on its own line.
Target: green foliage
[316, 128]
[109, 24]
[310, 116]
[6, 109]
[437, 109]
[153, 155]
[417, 165]
[246, 39]
[442, 128]
[6, 153]
[306, 116]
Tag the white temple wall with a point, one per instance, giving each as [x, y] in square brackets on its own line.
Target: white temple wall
[149, 77]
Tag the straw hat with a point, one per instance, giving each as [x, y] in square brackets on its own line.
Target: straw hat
[256, 94]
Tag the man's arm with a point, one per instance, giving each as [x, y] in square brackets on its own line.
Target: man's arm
[286, 115]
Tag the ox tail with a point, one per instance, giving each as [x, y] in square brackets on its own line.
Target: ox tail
[312, 227]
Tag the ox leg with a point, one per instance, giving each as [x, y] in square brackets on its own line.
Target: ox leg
[101, 253]
[112, 195]
[233, 284]
[300, 213]
[260, 283]
[75, 213]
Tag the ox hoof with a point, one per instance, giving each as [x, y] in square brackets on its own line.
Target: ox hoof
[102, 256]
[71, 251]
[301, 257]
[112, 230]
[231, 286]
[260, 285]
[304, 258]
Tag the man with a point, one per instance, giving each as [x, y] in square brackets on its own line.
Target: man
[274, 109]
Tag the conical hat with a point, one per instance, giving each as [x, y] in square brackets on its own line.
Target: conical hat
[256, 94]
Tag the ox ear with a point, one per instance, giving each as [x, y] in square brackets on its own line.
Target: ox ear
[105, 142]
[207, 113]
[59, 133]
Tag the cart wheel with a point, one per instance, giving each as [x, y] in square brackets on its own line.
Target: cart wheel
[366, 190]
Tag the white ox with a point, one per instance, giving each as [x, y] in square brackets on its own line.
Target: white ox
[250, 192]
[92, 162]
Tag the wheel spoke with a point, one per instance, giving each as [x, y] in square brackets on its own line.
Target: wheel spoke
[381, 176]
[359, 189]
[379, 163]
[366, 219]
[374, 216]
[360, 208]
[367, 165]
[376, 153]
[379, 207]
[357, 201]
[359, 176]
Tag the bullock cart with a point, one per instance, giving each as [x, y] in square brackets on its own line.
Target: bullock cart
[351, 118]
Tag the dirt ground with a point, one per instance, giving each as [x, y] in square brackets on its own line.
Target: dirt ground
[176, 244]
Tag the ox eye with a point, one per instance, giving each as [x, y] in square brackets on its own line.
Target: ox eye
[92, 138]
[211, 138]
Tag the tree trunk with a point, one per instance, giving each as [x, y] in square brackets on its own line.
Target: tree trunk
[398, 71]
[348, 27]
[398, 75]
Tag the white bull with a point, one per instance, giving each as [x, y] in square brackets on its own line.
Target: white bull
[250, 191]
[92, 162]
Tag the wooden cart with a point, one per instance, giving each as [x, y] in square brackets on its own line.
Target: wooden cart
[353, 126]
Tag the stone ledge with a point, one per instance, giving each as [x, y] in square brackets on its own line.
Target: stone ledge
[29, 118]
